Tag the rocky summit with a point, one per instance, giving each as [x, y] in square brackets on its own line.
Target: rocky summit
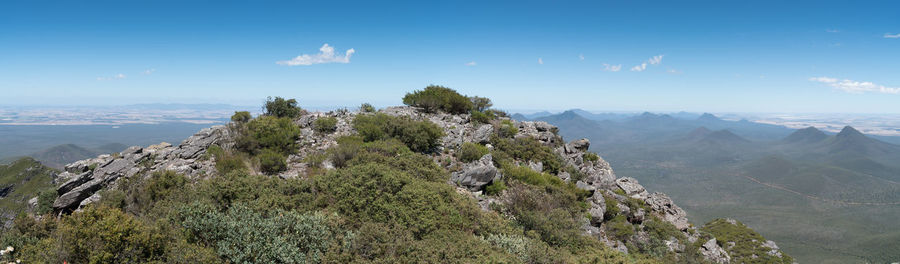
[609, 196]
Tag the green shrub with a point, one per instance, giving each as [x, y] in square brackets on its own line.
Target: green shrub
[612, 207]
[482, 117]
[242, 235]
[99, 235]
[366, 108]
[279, 107]
[470, 152]
[590, 156]
[268, 132]
[241, 117]
[619, 227]
[325, 125]
[226, 162]
[748, 243]
[528, 149]
[419, 136]
[495, 187]
[551, 212]
[506, 129]
[271, 162]
[438, 98]
[480, 104]
[380, 193]
[45, 202]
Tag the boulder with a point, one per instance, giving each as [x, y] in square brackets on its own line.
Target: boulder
[74, 182]
[662, 204]
[632, 188]
[70, 200]
[580, 145]
[714, 253]
[597, 207]
[475, 175]
[483, 134]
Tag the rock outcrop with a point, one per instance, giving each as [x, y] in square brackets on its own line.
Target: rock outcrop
[83, 179]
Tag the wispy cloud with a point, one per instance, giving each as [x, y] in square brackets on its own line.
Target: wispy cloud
[673, 71]
[541, 61]
[581, 57]
[326, 55]
[612, 68]
[852, 86]
[471, 63]
[639, 68]
[893, 36]
[655, 60]
[148, 71]
[831, 30]
[116, 77]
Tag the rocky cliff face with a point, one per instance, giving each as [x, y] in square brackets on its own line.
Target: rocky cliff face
[83, 180]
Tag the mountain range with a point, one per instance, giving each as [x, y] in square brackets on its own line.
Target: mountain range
[825, 195]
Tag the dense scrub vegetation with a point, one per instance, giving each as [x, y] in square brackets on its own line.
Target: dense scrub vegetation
[420, 136]
[747, 243]
[385, 200]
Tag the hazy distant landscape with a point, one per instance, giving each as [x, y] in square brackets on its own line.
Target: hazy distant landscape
[827, 197]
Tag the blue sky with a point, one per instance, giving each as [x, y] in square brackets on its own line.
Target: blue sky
[716, 56]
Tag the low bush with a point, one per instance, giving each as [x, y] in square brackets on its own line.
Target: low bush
[479, 117]
[325, 125]
[438, 98]
[280, 107]
[419, 136]
[506, 129]
[469, 152]
[243, 235]
[619, 227]
[268, 132]
[480, 104]
[528, 149]
[271, 162]
[590, 156]
[241, 117]
[366, 108]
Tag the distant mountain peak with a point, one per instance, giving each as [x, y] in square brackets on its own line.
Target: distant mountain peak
[708, 117]
[698, 133]
[809, 134]
[724, 136]
[849, 132]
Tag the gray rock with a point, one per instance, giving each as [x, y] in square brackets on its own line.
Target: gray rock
[632, 188]
[585, 186]
[597, 207]
[70, 200]
[536, 166]
[662, 204]
[580, 145]
[74, 182]
[713, 252]
[483, 134]
[773, 248]
[475, 175]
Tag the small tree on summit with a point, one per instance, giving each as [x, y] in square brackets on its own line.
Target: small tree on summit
[435, 97]
[481, 103]
[279, 107]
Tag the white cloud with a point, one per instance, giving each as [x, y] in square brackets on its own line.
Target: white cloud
[673, 71]
[580, 56]
[639, 68]
[471, 63]
[655, 60]
[612, 68]
[541, 61]
[116, 77]
[148, 71]
[889, 35]
[852, 86]
[326, 55]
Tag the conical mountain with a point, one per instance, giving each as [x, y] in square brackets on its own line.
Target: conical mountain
[698, 134]
[851, 141]
[806, 135]
[707, 117]
[723, 137]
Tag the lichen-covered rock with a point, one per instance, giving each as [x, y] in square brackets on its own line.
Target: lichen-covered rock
[662, 204]
[475, 175]
[713, 252]
[632, 188]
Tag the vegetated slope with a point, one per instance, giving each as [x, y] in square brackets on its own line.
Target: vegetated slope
[293, 186]
[806, 190]
[20, 181]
